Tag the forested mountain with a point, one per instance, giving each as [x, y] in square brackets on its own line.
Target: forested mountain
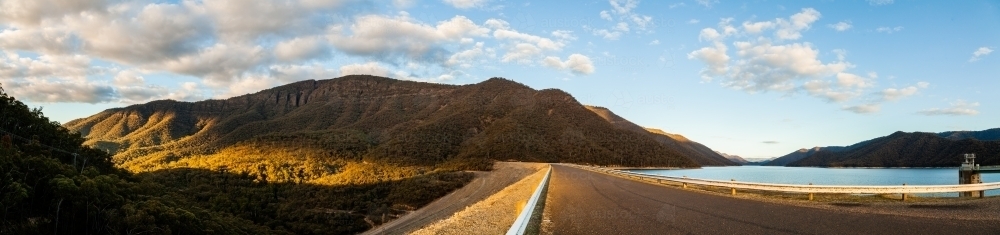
[804, 153]
[54, 184]
[314, 130]
[991, 134]
[690, 149]
[798, 155]
[900, 149]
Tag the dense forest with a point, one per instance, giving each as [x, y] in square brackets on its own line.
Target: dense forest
[55, 184]
[902, 149]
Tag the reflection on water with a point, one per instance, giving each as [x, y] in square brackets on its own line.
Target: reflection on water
[830, 176]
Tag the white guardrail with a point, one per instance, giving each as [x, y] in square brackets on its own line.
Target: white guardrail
[796, 188]
[522, 221]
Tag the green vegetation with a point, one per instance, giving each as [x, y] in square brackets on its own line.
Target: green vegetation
[54, 184]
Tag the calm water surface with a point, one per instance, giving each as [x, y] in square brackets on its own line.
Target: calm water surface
[830, 176]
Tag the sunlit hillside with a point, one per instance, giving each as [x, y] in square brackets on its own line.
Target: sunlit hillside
[316, 131]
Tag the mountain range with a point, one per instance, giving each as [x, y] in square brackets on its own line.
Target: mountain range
[902, 149]
[312, 129]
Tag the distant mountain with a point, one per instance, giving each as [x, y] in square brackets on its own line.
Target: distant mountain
[693, 150]
[734, 158]
[320, 127]
[991, 134]
[804, 153]
[798, 155]
[900, 149]
[758, 161]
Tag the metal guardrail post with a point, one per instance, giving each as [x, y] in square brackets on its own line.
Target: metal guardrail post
[522, 221]
[810, 194]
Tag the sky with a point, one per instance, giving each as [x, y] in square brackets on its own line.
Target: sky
[752, 78]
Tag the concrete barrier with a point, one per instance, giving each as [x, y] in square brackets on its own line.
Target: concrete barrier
[524, 219]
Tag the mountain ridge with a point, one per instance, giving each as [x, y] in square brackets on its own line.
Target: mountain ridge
[693, 150]
[900, 149]
[357, 119]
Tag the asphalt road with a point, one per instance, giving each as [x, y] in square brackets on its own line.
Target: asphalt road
[585, 202]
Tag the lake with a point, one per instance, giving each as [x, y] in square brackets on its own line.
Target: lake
[830, 176]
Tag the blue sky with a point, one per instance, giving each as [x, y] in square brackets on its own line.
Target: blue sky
[752, 78]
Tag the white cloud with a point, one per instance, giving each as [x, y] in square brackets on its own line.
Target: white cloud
[523, 48]
[715, 58]
[889, 30]
[466, 4]
[693, 21]
[863, 108]
[302, 49]
[793, 27]
[72, 67]
[841, 26]
[33, 12]
[610, 35]
[370, 68]
[218, 64]
[576, 63]
[851, 80]
[957, 108]
[44, 90]
[496, 24]
[605, 15]
[763, 66]
[654, 42]
[785, 29]
[388, 38]
[49, 40]
[841, 54]
[234, 46]
[980, 53]
[676, 5]
[521, 53]
[757, 27]
[709, 34]
[879, 2]
[465, 58]
[403, 3]
[757, 63]
[128, 78]
[707, 3]
[824, 90]
[624, 19]
[892, 94]
[565, 35]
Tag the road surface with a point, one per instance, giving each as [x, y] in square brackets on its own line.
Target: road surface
[585, 202]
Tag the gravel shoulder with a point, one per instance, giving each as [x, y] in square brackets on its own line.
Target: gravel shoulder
[484, 186]
[494, 215]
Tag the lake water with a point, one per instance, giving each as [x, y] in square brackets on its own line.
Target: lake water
[830, 176]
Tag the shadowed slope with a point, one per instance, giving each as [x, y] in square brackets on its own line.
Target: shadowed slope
[693, 150]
